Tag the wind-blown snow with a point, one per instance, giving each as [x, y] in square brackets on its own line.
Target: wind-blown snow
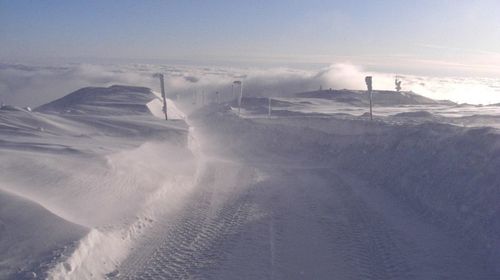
[363, 199]
[156, 108]
[109, 189]
[33, 85]
[31, 235]
[95, 158]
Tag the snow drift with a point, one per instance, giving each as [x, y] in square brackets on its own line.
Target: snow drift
[446, 174]
[382, 98]
[114, 100]
[90, 171]
[99, 172]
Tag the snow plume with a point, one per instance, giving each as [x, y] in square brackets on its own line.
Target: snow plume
[285, 81]
[281, 81]
[33, 85]
[27, 85]
[345, 76]
[24, 85]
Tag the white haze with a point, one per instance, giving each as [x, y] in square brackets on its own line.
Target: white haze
[33, 85]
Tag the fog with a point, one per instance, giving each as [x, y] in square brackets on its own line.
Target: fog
[33, 85]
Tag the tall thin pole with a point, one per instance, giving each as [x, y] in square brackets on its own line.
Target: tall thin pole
[371, 106]
[240, 83]
[368, 81]
[241, 97]
[269, 110]
[163, 96]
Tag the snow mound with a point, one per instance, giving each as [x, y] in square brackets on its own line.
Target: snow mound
[13, 108]
[417, 114]
[97, 157]
[32, 238]
[156, 108]
[380, 97]
[113, 100]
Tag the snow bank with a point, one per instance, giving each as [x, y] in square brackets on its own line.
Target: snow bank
[98, 158]
[156, 108]
[32, 238]
[417, 114]
[446, 173]
[449, 174]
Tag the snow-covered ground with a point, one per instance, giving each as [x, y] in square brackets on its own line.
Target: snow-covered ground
[85, 175]
[388, 106]
[97, 185]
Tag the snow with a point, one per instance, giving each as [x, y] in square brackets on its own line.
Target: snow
[32, 236]
[360, 98]
[97, 163]
[98, 185]
[397, 199]
[334, 104]
[156, 108]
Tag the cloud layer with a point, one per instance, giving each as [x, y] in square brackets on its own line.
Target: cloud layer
[33, 85]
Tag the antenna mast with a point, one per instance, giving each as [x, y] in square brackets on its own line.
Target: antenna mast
[397, 82]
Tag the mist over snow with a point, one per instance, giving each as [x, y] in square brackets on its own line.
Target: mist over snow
[98, 185]
[227, 140]
[33, 85]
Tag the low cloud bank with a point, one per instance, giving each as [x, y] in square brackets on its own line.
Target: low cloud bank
[28, 85]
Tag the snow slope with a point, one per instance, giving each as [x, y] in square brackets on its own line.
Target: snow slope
[325, 197]
[114, 100]
[360, 98]
[32, 236]
[96, 163]
[303, 194]
[361, 199]
[393, 107]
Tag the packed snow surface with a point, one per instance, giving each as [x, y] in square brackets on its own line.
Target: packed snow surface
[97, 185]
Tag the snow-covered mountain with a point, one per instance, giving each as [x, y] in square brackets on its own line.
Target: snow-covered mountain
[113, 100]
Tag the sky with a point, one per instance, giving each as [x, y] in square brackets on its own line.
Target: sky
[440, 37]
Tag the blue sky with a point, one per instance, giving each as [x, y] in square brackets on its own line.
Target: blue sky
[441, 36]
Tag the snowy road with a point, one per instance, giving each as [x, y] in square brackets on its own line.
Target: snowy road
[257, 213]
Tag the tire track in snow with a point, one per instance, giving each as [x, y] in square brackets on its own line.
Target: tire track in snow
[188, 246]
[272, 247]
[372, 246]
[385, 239]
[367, 246]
